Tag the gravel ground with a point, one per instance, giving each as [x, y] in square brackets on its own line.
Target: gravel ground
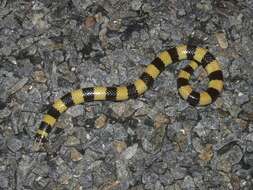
[156, 142]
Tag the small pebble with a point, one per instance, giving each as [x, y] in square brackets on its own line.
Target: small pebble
[161, 120]
[188, 183]
[39, 22]
[119, 108]
[101, 121]
[89, 22]
[120, 146]
[72, 141]
[75, 110]
[129, 152]
[181, 12]
[222, 40]
[5, 113]
[207, 153]
[122, 172]
[18, 85]
[64, 179]
[39, 76]
[75, 155]
[14, 144]
[4, 181]
[136, 4]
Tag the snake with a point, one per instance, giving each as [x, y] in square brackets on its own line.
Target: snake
[196, 55]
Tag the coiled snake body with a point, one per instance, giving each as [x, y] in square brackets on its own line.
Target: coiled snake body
[198, 56]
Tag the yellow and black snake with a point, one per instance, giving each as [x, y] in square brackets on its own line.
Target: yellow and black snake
[198, 56]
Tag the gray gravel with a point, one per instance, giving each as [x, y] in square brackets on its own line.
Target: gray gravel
[157, 142]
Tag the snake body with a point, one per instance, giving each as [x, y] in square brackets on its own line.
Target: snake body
[198, 56]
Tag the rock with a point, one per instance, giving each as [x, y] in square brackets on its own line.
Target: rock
[178, 172]
[122, 172]
[75, 111]
[119, 108]
[129, 152]
[39, 22]
[241, 98]
[161, 120]
[75, 155]
[120, 146]
[207, 153]
[229, 158]
[72, 141]
[89, 22]
[101, 121]
[39, 76]
[149, 179]
[181, 12]
[5, 113]
[4, 181]
[64, 179]
[188, 183]
[14, 144]
[222, 40]
[136, 4]
[247, 111]
[82, 5]
[18, 86]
